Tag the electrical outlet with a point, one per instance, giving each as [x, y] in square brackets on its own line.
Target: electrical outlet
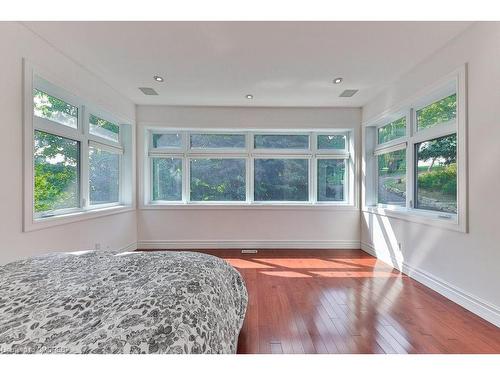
[249, 251]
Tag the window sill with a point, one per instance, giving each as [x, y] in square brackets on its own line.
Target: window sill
[248, 206]
[47, 222]
[419, 216]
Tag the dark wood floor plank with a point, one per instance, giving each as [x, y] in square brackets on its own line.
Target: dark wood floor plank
[346, 301]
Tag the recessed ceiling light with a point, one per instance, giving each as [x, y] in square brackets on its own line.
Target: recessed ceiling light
[249, 96]
[337, 80]
[158, 79]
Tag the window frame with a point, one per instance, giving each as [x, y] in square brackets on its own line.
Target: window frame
[455, 82]
[39, 79]
[249, 153]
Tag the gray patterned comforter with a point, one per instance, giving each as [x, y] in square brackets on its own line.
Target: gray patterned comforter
[135, 302]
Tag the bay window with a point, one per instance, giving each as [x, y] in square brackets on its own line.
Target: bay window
[416, 157]
[248, 167]
[73, 156]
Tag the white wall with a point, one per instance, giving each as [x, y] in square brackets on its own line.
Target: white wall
[115, 231]
[464, 266]
[263, 227]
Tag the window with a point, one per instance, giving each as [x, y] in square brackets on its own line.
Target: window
[217, 141]
[173, 140]
[167, 179]
[54, 109]
[104, 175]
[436, 174]
[391, 178]
[281, 180]
[331, 180]
[332, 142]
[439, 112]
[393, 130]
[76, 155]
[245, 167]
[57, 169]
[272, 141]
[420, 167]
[104, 129]
[218, 180]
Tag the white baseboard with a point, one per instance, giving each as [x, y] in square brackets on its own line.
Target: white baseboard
[482, 308]
[248, 244]
[130, 247]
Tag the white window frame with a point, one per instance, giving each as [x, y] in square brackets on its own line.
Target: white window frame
[455, 82]
[36, 78]
[249, 153]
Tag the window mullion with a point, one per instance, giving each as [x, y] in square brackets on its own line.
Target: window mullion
[410, 164]
[84, 158]
[186, 180]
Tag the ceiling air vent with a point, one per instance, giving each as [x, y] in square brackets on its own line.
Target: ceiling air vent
[148, 91]
[348, 93]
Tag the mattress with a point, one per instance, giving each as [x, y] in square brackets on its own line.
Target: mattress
[133, 302]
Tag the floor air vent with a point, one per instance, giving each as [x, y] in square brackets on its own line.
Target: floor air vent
[249, 251]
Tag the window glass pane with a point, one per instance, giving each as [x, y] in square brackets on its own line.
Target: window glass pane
[292, 141]
[51, 108]
[103, 128]
[393, 130]
[167, 179]
[392, 178]
[218, 179]
[217, 140]
[331, 173]
[104, 176]
[333, 142]
[437, 174]
[167, 140]
[57, 166]
[438, 112]
[281, 180]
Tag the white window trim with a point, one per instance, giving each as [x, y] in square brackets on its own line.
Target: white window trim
[85, 211]
[458, 222]
[249, 153]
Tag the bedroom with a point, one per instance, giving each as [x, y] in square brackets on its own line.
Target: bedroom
[249, 187]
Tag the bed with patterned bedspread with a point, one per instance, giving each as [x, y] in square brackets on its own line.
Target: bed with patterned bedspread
[133, 302]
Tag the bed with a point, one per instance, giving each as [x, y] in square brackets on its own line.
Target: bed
[132, 302]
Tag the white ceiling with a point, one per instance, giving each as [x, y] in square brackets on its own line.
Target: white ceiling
[218, 63]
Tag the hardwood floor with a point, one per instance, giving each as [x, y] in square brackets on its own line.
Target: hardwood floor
[346, 301]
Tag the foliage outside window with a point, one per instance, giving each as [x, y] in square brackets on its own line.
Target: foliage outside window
[229, 167]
